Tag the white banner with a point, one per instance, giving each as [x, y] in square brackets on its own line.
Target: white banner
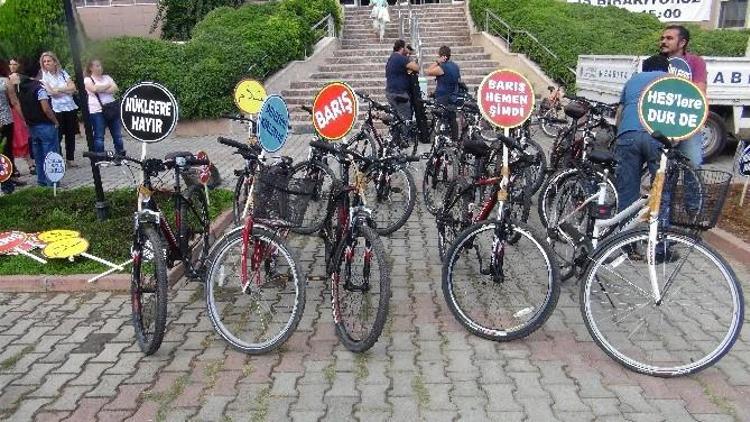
[665, 10]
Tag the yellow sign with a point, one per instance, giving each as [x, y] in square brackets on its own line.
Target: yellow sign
[55, 235]
[66, 248]
[249, 95]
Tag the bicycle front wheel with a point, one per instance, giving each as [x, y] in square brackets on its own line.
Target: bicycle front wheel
[148, 289]
[695, 323]
[391, 193]
[441, 168]
[323, 187]
[195, 226]
[260, 315]
[360, 289]
[499, 290]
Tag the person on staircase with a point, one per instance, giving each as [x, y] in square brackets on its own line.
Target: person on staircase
[380, 17]
[447, 75]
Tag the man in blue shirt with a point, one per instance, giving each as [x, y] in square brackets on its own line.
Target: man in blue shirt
[447, 75]
[634, 145]
[397, 80]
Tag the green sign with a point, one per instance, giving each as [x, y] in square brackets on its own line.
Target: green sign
[673, 106]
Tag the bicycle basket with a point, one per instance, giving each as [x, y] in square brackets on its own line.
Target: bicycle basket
[576, 109]
[279, 197]
[697, 204]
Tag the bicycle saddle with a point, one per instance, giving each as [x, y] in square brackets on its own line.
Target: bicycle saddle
[602, 157]
[173, 155]
[477, 149]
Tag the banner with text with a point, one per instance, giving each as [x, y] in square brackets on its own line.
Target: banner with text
[665, 10]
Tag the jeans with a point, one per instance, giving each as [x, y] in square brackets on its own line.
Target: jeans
[43, 140]
[450, 116]
[99, 123]
[632, 150]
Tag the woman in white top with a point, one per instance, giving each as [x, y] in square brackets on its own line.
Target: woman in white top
[101, 89]
[380, 17]
[60, 87]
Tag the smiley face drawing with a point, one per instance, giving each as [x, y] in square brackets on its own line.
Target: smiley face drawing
[249, 95]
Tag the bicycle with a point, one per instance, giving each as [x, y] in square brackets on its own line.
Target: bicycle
[499, 279]
[632, 302]
[151, 256]
[255, 294]
[354, 255]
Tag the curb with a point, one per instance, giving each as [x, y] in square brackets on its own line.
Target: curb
[79, 282]
[730, 245]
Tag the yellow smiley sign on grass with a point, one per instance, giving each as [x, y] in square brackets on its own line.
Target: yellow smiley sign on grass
[249, 95]
[66, 248]
[51, 236]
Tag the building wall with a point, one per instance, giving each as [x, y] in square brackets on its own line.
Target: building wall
[114, 21]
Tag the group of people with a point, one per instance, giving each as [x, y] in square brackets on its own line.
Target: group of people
[39, 108]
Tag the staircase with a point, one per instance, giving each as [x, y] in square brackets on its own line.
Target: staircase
[360, 60]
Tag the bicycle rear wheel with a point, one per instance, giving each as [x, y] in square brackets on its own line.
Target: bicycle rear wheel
[195, 226]
[697, 321]
[148, 289]
[499, 290]
[260, 316]
[241, 190]
[317, 206]
[441, 168]
[360, 289]
[391, 193]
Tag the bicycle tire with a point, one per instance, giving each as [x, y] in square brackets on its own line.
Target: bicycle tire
[437, 176]
[493, 295]
[560, 241]
[363, 341]
[534, 176]
[550, 129]
[148, 252]
[239, 199]
[317, 208]
[714, 318]
[380, 192]
[231, 308]
[551, 188]
[195, 221]
[453, 217]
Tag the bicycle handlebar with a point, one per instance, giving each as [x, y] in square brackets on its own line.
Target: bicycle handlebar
[308, 109]
[662, 139]
[244, 148]
[340, 151]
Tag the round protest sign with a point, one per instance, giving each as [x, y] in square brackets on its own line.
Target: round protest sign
[6, 168]
[273, 123]
[506, 98]
[334, 111]
[673, 106]
[249, 95]
[680, 67]
[54, 167]
[55, 235]
[66, 248]
[11, 240]
[204, 173]
[149, 112]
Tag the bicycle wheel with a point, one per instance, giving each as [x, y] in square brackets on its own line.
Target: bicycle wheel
[552, 187]
[440, 170]
[360, 289]
[391, 193]
[195, 226]
[148, 289]
[317, 207]
[260, 316]
[563, 238]
[499, 290]
[532, 177]
[550, 125]
[693, 326]
[455, 215]
[241, 190]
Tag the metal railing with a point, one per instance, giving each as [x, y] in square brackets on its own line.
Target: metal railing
[498, 27]
[330, 29]
[110, 3]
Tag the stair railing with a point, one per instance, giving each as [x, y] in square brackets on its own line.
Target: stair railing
[495, 26]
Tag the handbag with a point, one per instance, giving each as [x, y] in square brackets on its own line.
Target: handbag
[111, 110]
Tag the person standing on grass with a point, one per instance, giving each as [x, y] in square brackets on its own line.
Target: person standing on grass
[8, 104]
[21, 147]
[60, 88]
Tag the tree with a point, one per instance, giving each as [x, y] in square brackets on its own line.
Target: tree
[28, 27]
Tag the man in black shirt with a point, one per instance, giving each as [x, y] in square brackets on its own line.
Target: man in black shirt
[397, 80]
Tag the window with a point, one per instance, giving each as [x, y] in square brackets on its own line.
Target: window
[733, 14]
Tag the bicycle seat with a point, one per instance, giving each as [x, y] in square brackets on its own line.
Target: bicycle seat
[477, 149]
[602, 157]
[173, 155]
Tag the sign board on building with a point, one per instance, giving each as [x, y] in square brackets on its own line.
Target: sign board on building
[665, 10]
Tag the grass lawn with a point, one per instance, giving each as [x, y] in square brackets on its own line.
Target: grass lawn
[35, 210]
[736, 219]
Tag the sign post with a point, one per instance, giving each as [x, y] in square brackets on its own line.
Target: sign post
[54, 169]
[334, 111]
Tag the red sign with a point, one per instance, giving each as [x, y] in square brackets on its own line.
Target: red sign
[506, 98]
[6, 168]
[204, 173]
[334, 111]
[11, 240]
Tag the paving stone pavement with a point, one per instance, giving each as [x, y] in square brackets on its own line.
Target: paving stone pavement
[73, 356]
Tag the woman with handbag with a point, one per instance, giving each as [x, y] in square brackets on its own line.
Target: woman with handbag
[60, 87]
[104, 110]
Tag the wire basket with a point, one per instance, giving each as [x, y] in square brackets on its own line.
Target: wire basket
[278, 196]
[697, 197]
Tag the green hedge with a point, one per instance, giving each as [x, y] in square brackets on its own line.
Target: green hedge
[571, 29]
[178, 17]
[28, 27]
[203, 71]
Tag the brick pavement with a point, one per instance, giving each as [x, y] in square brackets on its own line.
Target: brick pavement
[73, 357]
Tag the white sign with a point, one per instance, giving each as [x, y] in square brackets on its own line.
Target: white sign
[665, 10]
[54, 167]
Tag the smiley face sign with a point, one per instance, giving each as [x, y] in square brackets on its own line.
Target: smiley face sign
[249, 95]
[66, 248]
[334, 111]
